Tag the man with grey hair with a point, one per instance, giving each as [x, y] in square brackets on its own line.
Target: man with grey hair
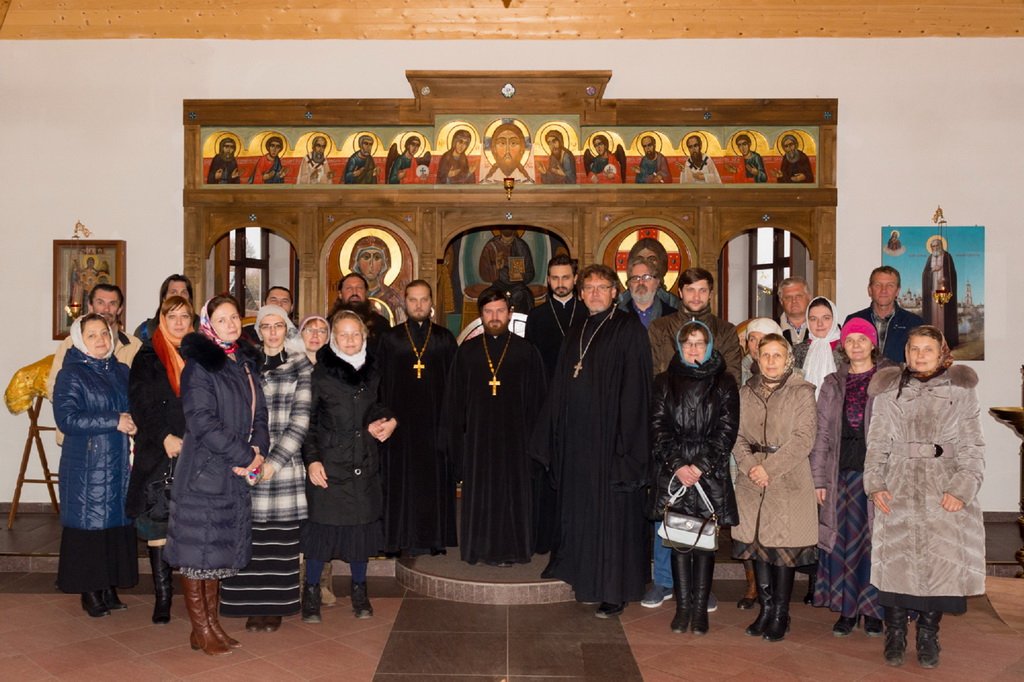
[314, 169]
[795, 296]
[644, 282]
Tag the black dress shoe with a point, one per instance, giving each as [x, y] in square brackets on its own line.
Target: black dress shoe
[111, 601]
[254, 623]
[435, 551]
[92, 603]
[271, 623]
[549, 571]
[609, 610]
[746, 603]
[844, 626]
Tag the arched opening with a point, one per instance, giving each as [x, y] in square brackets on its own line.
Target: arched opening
[247, 261]
[511, 257]
[750, 267]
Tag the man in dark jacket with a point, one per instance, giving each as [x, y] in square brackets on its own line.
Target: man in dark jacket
[695, 288]
[891, 321]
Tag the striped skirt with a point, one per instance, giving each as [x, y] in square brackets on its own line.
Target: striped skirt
[844, 574]
[269, 585]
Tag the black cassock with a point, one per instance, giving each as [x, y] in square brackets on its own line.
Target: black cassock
[487, 439]
[419, 486]
[546, 327]
[594, 436]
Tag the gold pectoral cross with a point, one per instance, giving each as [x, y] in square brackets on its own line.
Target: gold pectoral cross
[419, 366]
[494, 383]
[578, 367]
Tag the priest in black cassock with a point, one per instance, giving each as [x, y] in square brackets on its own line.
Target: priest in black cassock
[419, 485]
[492, 399]
[593, 435]
[546, 327]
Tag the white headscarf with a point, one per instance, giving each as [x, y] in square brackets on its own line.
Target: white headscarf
[819, 362]
[78, 341]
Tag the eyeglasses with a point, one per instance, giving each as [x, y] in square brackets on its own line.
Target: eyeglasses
[636, 279]
[314, 331]
[595, 288]
[278, 326]
[696, 345]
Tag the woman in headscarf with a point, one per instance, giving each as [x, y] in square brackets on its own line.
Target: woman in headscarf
[154, 386]
[269, 587]
[90, 405]
[818, 356]
[924, 466]
[757, 328]
[694, 416]
[837, 464]
[209, 536]
[774, 490]
[315, 331]
[345, 492]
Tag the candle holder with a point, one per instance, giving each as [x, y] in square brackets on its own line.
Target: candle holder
[509, 184]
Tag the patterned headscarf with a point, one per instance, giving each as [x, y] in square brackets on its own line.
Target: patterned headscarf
[206, 329]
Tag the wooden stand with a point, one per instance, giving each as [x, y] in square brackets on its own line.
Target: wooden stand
[34, 430]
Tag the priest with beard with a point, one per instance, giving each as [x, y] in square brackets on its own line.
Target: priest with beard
[546, 327]
[352, 295]
[419, 488]
[491, 403]
[593, 436]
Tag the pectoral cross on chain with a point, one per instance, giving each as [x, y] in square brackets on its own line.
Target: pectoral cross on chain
[494, 383]
[578, 367]
[419, 367]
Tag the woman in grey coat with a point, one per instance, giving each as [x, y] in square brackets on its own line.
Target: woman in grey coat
[924, 466]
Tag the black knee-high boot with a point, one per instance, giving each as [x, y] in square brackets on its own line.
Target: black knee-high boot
[895, 635]
[782, 590]
[682, 567]
[161, 586]
[928, 638]
[763, 580]
[703, 573]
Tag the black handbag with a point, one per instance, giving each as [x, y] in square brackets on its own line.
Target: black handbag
[157, 493]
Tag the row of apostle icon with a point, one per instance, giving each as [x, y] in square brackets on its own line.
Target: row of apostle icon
[556, 155]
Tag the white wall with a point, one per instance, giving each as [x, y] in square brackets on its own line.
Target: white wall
[92, 131]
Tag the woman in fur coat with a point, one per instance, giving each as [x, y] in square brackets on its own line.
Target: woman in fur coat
[924, 466]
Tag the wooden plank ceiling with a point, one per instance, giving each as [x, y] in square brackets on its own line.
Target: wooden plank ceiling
[523, 19]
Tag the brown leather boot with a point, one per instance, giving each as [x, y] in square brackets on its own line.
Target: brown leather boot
[202, 636]
[211, 590]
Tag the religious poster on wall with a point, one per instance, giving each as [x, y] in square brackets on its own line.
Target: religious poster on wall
[78, 266]
[533, 150]
[942, 275]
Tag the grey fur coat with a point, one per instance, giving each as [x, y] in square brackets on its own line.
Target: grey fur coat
[919, 548]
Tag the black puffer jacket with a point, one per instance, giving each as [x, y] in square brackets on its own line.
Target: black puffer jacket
[211, 511]
[695, 414]
[344, 404]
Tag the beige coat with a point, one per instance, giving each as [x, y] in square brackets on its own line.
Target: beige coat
[784, 514]
[919, 548]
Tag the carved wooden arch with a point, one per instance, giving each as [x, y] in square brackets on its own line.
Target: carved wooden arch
[667, 224]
